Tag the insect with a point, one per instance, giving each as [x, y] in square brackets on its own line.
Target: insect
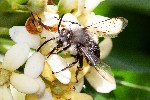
[83, 44]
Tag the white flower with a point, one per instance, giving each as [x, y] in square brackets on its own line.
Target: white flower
[56, 61]
[15, 57]
[98, 82]
[19, 34]
[63, 92]
[1, 57]
[77, 7]
[34, 66]
[5, 93]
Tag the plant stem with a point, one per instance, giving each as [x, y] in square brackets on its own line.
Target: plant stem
[128, 84]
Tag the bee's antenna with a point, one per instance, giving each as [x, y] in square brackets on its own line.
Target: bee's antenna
[45, 43]
[60, 23]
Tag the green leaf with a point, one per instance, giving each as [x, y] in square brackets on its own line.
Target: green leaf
[130, 56]
[4, 32]
[141, 6]
[138, 6]
[12, 5]
[9, 19]
[132, 85]
[5, 5]
[20, 1]
[129, 61]
[5, 44]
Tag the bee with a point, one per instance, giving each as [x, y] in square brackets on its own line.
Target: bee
[83, 44]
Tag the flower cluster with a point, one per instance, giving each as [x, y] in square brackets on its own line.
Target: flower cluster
[46, 75]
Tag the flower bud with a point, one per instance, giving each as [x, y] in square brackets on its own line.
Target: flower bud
[36, 6]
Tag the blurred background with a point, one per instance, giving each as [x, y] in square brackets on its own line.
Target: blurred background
[130, 56]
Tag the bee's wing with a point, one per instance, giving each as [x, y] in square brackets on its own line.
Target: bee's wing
[105, 71]
[92, 58]
[102, 68]
[106, 27]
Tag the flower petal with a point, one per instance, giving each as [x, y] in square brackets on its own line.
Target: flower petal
[106, 27]
[70, 21]
[41, 88]
[46, 96]
[57, 64]
[5, 93]
[79, 85]
[77, 7]
[80, 96]
[17, 95]
[52, 9]
[81, 74]
[49, 46]
[1, 57]
[34, 65]
[31, 97]
[79, 10]
[24, 83]
[19, 34]
[70, 17]
[48, 35]
[99, 83]
[105, 47]
[16, 56]
[66, 6]
[50, 19]
[47, 73]
[91, 5]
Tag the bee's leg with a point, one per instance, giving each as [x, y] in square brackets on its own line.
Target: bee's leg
[45, 43]
[57, 47]
[52, 52]
[70, 65]
[63, 49]
[79, 67]
[80, 63]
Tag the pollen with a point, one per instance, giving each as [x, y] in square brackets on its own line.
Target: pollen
[4, 76]
[59, 89]
[32, 26]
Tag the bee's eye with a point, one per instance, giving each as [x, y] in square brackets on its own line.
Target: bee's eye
[63, 31]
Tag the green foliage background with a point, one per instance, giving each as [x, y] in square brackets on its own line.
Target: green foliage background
[130, 56]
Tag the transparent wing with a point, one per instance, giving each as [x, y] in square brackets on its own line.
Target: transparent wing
[102, 68]
[106, 27]
[105, 71]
